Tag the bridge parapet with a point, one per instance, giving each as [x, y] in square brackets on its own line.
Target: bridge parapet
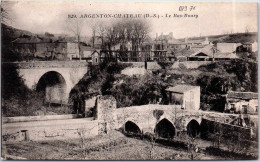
[48, 64]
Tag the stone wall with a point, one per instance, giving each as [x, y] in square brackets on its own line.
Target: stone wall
[150, 65]
[189, 64]
[105, 111]
[47, 64]
[90, 105]
[50, 130]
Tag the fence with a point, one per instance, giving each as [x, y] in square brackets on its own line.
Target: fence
[133, 56]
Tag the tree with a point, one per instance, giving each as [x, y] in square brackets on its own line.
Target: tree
[75, 26]
[48, 34]
[6, 17]
[247, 29]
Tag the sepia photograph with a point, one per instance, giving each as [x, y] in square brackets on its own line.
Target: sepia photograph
[129, 80]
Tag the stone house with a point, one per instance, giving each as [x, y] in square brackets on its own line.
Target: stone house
[228, 47]
[186, 95]
[31, 45]
[72, 50]
[242, 102]
[45, 47]
[87, 53]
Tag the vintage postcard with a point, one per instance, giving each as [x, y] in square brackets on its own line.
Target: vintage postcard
[91, 80]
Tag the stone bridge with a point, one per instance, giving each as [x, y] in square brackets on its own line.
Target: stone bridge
[153, 119]
[163, 120]
[55, 78]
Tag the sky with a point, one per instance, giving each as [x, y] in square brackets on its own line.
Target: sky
[212, 17]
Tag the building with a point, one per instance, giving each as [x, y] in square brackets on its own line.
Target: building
[242, 102]
[87, 53]
[198, 42]
[254, 46]
[95, 57]
[29, 45]
[228, 47]
[43, 47]
[211, 53]
[186, 95]
[72, 50]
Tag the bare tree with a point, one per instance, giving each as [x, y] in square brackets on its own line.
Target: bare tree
[75, 27]
[101, 33]
[94, 31]
[247, 29]
[6, 17]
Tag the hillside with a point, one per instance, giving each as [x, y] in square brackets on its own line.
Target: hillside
[228, 38]
[9, 33]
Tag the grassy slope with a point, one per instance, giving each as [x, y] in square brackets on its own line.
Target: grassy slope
[113, 146]
[234, 38]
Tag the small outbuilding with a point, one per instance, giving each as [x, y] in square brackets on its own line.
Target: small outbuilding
[186, 95]
[95, 57]
[242, 102]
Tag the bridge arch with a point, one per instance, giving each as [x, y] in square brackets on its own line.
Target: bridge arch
[53, 85]
[131, 127]
[165, 129]
[193, 128]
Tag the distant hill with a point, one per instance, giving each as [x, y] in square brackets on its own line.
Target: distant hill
[229, 38]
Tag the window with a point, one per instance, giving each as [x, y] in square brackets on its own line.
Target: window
[256, 109]
[232, 107]
[244, 107]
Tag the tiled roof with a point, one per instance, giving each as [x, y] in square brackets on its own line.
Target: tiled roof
[206, 50]
[181, 88]
[186, 52]
[242, 95]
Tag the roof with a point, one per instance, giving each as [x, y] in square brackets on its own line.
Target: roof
[191, 51]
[207, 51]
[227, 47]
[87, 48]
[181, 88]
[195, 41]
[226, 55]
[148, 40]
[175, 41]
[242, 95]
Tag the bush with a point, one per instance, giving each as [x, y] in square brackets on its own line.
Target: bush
[165, 65]
[19, 100]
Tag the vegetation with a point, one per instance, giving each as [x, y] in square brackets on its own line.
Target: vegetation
[19, 100]
[97, 81]
[219, 77]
